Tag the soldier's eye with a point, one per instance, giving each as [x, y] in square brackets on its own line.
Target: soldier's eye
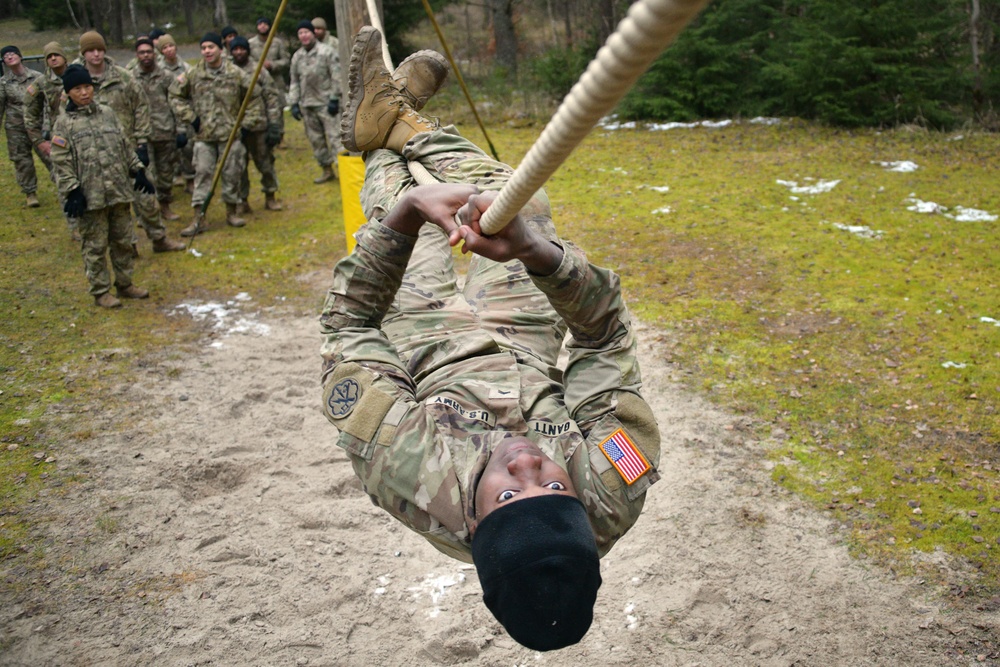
[556, 486]
[506, 495]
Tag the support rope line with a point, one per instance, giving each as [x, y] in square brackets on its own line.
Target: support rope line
[376, 20]
[239, 116]
[458, 76]
[649, 27]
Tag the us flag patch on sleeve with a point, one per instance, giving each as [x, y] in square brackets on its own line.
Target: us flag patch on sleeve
[624, 456]
[58, 141]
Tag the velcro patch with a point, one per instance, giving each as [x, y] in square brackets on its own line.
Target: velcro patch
[31, 89]
[58, 141]
[624, 456]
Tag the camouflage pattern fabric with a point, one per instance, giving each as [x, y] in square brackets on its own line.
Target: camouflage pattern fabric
[423, 380]
[90, 150]
[332, 42]
[156, 85]
[214, 96]
[323, 133]
[263, 158]
[164, 161]
[12, 92]
[187, 152]
[107, 231]
[278, 55]
[119, 90]
[206, 156]
[44, 100]
[315, 76]
[268, 108]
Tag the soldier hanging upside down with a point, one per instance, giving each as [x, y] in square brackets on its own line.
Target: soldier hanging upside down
[449, 401]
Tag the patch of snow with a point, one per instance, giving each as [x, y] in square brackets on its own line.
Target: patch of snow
[920, 206]
[863, 231]
[660, 188]
[764, 120]
[663, 210]
[963, 214]
[818, 187]
[990, 320]
[952, 364]
[435, 587]
[227, 318]
[903, 166]
[611, 123]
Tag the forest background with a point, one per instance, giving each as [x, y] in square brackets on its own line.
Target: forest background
[844, 63]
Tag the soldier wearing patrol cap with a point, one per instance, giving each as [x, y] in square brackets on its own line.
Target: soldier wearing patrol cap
[94, 161]
[209, 98]
[12, 91]
[448, 401]
[115, 87]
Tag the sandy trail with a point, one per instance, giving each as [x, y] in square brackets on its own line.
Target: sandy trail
[223, 526]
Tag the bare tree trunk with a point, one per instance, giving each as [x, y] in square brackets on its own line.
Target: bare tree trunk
[568, 22]
[977, 78]
[553, 38]
[606, 25]
[131, 13]
[189, 16]
[503, 34]
[72, 14]
[219, 15]
[117, 28]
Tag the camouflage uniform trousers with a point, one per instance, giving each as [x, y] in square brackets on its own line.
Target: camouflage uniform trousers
[263, 158]
[19, 150]
[148, 213]
[186, 155]
[498, 298]
[323, 132]
[164, 157]
[206, 155]
[107, 230]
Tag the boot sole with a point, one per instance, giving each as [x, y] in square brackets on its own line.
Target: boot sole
[367, 37]
[437, 59]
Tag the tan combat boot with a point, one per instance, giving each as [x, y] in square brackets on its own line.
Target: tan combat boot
[132, 292]
[377, 114]
[243, 208]
[420, 76]
[197, 226]
[232, 218]
[107, 300]
[327, 175]
[166, 213]
[270, 203]
[167, 245]
[31, 201]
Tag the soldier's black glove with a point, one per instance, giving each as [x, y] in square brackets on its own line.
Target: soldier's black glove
[273, 135]
[296, 111]
[182, 140]
[142, 184]
[76, 203]
[142, 151]
[196, 123]
[46, 136]
[333, 107]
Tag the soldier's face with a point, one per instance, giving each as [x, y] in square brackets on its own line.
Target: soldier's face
[11, 59]
[320, 34]
[263, 28]
[55, 61]
[240, 56]
[146, 55]
[211, 53]
[227, 39]
[82, 95]
[169, 51]
[94, 57]
[518, 469]
[306, 36]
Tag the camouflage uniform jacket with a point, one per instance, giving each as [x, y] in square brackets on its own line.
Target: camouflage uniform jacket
[43, 102]
[419, 444]
[214, 96]
[315, 76]
[277, 54]
[12, 91]
[179, 67]
[89, 150]
[156, 85]
[118, 89]
[332, 42]
[272, 113]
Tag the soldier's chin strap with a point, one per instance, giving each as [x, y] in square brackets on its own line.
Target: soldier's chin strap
[649, 27]
[239, 116]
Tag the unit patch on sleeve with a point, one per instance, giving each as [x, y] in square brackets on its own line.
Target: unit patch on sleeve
[624, 456]
[58, 141]
[343, 397]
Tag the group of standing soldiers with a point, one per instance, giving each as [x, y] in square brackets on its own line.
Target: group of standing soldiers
[170, 117]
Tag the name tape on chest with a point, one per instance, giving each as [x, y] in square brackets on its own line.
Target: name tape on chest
[624, 456]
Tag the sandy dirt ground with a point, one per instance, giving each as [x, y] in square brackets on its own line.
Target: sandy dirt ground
[218, 524]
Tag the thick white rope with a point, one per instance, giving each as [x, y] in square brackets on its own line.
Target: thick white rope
[649, 27]
[376, 20]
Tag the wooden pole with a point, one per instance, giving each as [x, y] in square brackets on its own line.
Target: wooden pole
[350, 15]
